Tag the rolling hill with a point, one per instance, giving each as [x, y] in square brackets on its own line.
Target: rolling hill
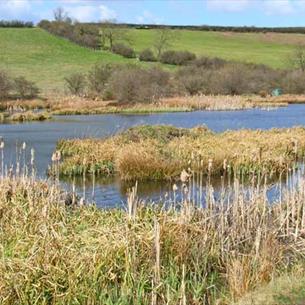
[47, 59]
[44, 58]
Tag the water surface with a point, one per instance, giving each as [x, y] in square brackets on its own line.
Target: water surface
[43, 136]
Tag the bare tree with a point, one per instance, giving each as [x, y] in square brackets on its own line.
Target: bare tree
[298, 58]
[61, 15]
[164, 39]
[111, 33]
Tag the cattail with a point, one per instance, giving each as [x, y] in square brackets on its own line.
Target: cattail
[185, 189]
[225, 164]
[32, 156]
[175, 187]
[53, 157]
[184, 176]
[210, 164]
[56, 156]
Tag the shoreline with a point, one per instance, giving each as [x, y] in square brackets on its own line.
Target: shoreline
[72, 105]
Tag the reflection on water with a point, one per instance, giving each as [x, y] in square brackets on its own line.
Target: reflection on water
[42, 136]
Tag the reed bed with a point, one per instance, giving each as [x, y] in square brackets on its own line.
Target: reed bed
[29, 116]
[162, 152]
[174, 253]
[68, 105]
[19, 105]
[79, 105]
[25, 116]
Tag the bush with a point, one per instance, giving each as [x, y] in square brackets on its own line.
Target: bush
[209, 63]
[98, 79]
[5, 85]
[147, 55]
[294, 82]
[15, 24]
[76, 83]
[133, 84]
[25, 88]
[177, 57]
[231, 78]
[123, 50]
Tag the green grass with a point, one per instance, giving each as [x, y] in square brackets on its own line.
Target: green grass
[240, 47]
[44, 58]
[47, 59]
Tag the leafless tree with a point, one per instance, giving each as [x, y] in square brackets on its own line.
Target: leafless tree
[61, 15]
[164, 39]
[111, 33]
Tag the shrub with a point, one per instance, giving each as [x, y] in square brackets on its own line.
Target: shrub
[231, 78]
[25, 88]
[147, 55]
[294, 82]
[76, 83]
[177, 57]
[209, 63]
[5, 85]
[98, 79]
[133, 84]
[123, 50]
[15, 24]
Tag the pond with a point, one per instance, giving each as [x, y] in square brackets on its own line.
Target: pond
[42, 136]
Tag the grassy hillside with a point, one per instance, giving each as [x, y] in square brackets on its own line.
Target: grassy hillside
[44, 58]
[271, 49]
[47, 59]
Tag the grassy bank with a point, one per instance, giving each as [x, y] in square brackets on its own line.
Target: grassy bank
[46, 59]
[60, 58]
[54, 254]
[162, 152]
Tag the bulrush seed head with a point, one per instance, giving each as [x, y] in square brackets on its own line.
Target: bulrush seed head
[210, 164]
[184, 176]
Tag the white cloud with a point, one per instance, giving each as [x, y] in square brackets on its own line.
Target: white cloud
[81, 13]
[14, 9]
[88, 13]
[228, 5]
[278, 7]
[147, 17]
[106, 13]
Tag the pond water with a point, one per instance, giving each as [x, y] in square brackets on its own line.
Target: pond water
[42, 136]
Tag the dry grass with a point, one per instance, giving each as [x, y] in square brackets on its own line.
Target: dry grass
[78, 105]
[23, 105]
[53, 254]
[29, 116]
[161, 152]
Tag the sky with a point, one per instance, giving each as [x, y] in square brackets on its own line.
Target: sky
[175, 12]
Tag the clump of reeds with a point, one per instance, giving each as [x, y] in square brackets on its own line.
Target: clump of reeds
[161, 152]
[29, 116]
[184, 253]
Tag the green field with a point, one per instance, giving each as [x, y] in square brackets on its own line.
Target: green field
[247, 47]
[44, 58]
[47, 59]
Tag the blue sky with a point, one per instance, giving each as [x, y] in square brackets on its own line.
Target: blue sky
[191, 12]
